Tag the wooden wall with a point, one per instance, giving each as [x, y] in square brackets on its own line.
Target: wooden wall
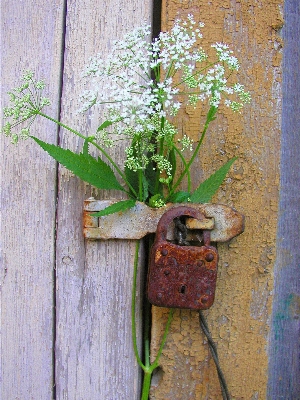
[65, 303]
[284, 340]
[66, 319]
[240, 316]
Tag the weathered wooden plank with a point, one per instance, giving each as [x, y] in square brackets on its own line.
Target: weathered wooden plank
[239, 318]
[284, 347]
[30, 39]
[94, 351]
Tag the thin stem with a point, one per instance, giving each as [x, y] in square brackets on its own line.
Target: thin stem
[185, 164]
[147, 367]
[140, 185]
[147, 311]
[161, 150]
[61, 124]
[133, 303]
[149, 370]
[146, 385]
[147, 319]
[210, 117]
[196, 73]
[170, 317]
[95, 144]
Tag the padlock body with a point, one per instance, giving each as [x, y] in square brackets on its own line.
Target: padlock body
[182, 276]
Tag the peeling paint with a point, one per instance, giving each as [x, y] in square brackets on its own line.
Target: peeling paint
[239, 318]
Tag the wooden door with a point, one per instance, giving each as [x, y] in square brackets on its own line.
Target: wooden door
[65, 302]
[66, 314]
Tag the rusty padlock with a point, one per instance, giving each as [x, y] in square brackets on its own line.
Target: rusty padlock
[181, 276]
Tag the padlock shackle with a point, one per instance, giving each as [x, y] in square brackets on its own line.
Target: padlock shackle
[170, 215]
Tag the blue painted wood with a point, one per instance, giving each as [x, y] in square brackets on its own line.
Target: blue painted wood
[284, 349]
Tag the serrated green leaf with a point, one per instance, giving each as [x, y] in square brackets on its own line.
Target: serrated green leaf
[116, 207]
[179, 197]
[206, 190]
[104, 125]
[86, 167]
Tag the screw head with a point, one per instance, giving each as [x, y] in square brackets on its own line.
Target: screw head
[204, 299]
[209, 257]
[164, 252]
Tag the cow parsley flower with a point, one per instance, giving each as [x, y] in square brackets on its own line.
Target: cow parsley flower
[140, 86]
[26, 103]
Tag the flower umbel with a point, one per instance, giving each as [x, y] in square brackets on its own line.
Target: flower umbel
[26, 103]
[141, 86]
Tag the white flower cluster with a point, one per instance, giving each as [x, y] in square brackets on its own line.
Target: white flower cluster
[139, 84]
[27, 102]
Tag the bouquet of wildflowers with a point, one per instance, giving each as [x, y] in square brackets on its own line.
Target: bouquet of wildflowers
[141, 86]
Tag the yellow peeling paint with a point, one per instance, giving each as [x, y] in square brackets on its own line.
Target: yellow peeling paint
[240, 315]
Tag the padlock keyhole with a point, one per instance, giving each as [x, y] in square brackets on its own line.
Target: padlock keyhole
[182, 289]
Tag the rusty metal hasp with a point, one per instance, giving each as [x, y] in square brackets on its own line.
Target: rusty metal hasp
[181, 276]
[223, 221]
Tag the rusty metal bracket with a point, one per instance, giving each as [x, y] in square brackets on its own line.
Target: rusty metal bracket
[223, 221]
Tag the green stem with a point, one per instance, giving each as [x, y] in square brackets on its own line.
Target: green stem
[140, 185]
[147, 317]
[61, 124]
[161, 150]
[147, 367]
[196, 73]
[170, 317]
[210, 117]
[148, 371]
[133, 303]
[185, 165]
[95, 144]
[146, 385]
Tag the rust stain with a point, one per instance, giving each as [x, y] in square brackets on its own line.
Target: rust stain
[240, 314]
[181, 276]
[224, 221]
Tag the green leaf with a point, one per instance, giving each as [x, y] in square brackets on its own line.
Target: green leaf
[145, 188]
[179, 197]
[85, 149]
[133, 179]
[211, 115]
[172, 160]
[104, 125]
[86, 167]
[206, 190]
[150, 173]
[155, 199]
[116, 207]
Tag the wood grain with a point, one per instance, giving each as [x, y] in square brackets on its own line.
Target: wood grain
[239, 318]
[94, 352]
[284, 345]
[31, 34]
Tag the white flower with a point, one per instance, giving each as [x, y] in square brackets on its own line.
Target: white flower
[138, 84]
[26, 104]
